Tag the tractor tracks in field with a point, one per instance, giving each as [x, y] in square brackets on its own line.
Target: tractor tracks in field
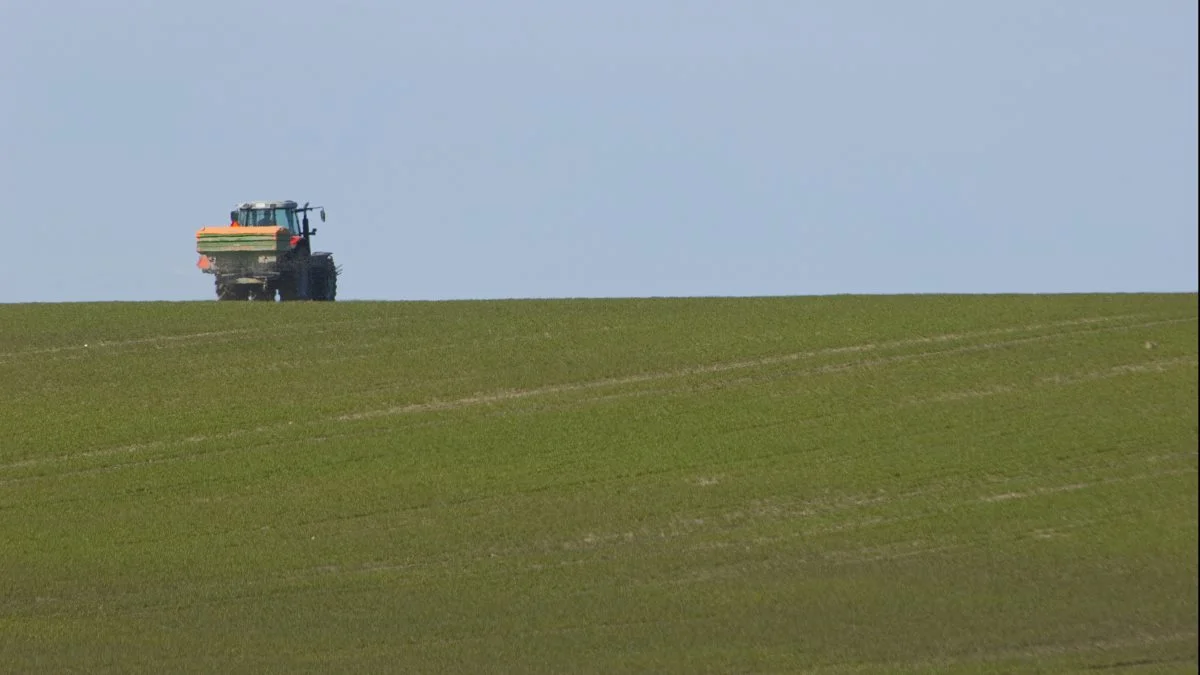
[804, 519]
[79, 350]
[1062, 379]
[131, 342]
[1025, 658]
[183, 338]
[1075, 327]
[732, 530]
[748, 364]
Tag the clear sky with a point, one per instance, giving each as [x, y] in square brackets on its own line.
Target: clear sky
[606, 149]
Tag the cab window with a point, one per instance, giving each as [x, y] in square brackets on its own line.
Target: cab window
[286, 218]
[269, 218]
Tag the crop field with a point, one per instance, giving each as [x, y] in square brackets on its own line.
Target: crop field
[843, 484]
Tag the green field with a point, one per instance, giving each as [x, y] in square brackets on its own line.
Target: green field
[827, 484]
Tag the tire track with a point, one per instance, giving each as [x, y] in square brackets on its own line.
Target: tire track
[504, 396]
[721, 367]
[187, 337]
[589, 546]
[681, 528]
[290, 328]
[1000, 655]
[156, 339]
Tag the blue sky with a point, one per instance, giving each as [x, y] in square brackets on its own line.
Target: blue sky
[615, 149]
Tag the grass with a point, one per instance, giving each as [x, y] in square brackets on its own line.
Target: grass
[837, 484]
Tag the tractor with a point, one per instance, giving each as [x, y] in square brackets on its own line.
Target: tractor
[265, 251]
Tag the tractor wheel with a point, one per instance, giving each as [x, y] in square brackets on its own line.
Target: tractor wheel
[316, 283]
[331, 284]
[329, 279]
[322, 280]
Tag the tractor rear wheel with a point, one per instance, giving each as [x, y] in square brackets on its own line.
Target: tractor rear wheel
[331, 283]
[322, 283]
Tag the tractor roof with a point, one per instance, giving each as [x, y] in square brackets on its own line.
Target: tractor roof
[285, 204]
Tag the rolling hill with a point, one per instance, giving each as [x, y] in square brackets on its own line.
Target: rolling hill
[809, 484]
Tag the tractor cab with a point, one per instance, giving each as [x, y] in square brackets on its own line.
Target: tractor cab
[266, 214]
[286, 214]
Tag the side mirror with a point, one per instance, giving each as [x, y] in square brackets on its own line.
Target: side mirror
[314, 230]
[322, 216]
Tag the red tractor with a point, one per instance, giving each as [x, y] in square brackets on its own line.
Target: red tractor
[265, 251]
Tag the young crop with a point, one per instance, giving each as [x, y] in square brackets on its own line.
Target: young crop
[925, 483]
